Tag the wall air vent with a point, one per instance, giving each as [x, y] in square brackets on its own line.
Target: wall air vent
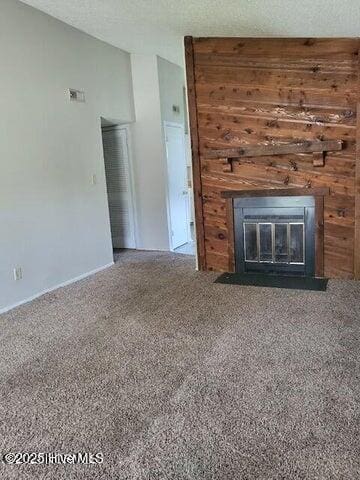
[76, 95]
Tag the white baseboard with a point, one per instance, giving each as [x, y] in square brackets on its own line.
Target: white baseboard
[63, 284]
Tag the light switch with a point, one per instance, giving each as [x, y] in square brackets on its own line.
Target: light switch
[17, 273]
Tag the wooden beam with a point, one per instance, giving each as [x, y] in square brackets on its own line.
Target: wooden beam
[276, 192]
[357, 182]
[280, 149]
[231, 233]
[319, 159]
[227, 164]
[196, 168]
[319, 236]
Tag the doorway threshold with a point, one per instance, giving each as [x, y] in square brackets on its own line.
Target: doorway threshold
[186, 249]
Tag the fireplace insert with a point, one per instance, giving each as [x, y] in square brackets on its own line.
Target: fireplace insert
[275, 235]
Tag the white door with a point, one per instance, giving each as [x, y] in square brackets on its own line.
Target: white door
[118, 182]
[177, 184]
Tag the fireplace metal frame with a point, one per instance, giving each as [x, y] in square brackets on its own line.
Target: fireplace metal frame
[281, 207]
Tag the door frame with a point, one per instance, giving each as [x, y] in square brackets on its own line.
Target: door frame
[130, 168]
[168, 207]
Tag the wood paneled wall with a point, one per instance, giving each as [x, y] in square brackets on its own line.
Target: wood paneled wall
[263, 91]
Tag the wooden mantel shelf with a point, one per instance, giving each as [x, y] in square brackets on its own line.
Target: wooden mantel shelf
[276, 192]
[315, 146]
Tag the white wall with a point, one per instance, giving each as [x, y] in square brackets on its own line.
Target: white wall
[158, 85]
[171, 83]
[53, 222]
[149, 153]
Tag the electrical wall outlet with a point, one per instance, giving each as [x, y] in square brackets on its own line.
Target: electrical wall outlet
[94, 179]
[18, 273]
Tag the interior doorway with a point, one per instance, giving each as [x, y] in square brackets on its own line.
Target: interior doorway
[119, 185]
[178, 192]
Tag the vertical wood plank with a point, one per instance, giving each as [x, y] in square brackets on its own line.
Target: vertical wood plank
[357, 182]
[196, 168]
[231, 234]
[319, 236]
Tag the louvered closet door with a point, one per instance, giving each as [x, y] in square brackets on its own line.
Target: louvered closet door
[116, 157]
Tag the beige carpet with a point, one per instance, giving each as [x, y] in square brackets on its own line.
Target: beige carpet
[174, 377]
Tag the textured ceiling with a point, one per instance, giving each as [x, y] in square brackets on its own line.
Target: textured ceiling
[157, 26]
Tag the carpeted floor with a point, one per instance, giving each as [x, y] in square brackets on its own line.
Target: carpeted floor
[174, 377]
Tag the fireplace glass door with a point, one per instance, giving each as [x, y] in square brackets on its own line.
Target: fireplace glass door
[274, 235]
[274, 242]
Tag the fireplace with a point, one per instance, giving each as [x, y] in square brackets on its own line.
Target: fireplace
[277, 231]
[275, 235]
